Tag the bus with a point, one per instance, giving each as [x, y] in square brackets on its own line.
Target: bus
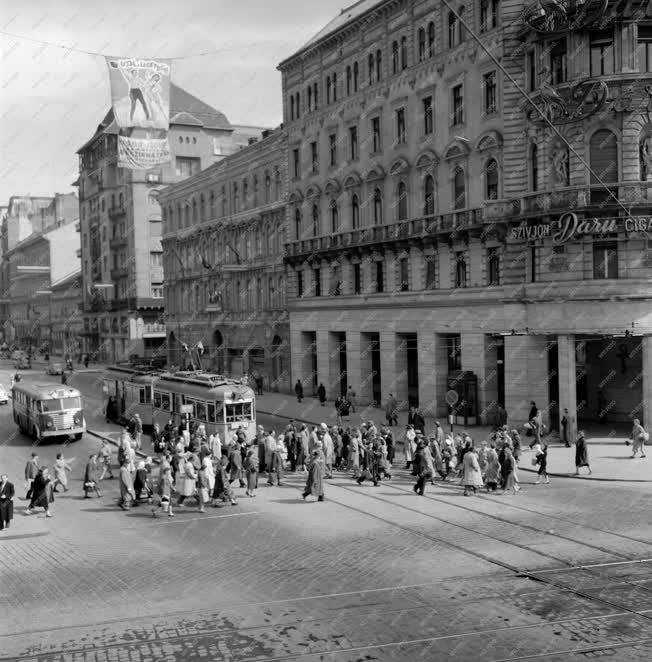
[131, 385]
[44, 411]
[220, 404]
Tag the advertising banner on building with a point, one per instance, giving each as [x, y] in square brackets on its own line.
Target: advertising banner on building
[142, 153]
[140, 92]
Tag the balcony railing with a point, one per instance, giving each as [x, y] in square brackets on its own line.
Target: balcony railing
[134, 303]
[154, 328]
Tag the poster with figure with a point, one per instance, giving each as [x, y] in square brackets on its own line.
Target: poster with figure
[140, 92]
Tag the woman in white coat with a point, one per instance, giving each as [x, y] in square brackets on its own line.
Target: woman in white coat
[186, 480]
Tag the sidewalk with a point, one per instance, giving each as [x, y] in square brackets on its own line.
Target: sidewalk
[609, 456]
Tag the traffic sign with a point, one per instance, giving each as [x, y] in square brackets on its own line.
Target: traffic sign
[452, 397]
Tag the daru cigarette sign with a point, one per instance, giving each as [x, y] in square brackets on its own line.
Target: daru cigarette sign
[568, 227]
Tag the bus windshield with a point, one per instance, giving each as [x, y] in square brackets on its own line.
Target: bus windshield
[45, 406]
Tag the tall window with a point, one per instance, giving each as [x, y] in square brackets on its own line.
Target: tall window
[605, 260]
[558, 62]
[317, 281]
[299, 283]
[404, 274]
[295, 162]
[395, 57]
[375, 133]
[402, 201]
[335, 87]
[489, 84]
[644, 48]
[427, 116]
[378, 207]
[315, 220]
[452, 30]
[328, 89]
[603, 158]
[422, 44]
[212, 204]
[431, 39]
[315, 87]
[353, 142]
[602, 52]
[454, 351]
[349, 79]
[357, 279]
[335, 218]
[355, 76]
[355, 212]
[493, 267]
[297, 223]
[458, 105]
[491, 180]
[404, 53]
[489, 10]
[380, 277]
[534, 168]
[431, 272]
[379, 65]
[297, 106]
[460, 269]
[236, 199]
[292, 106]
[314, 160]
[532, 71]
[459, 189]
[332, 148]
[372, 67]
[309, 92]
[429, 196]
[400, 126]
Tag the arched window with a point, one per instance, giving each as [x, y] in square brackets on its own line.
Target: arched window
[491, 180]
[292, 106]
[379, 65]
[429, 196]
[402, 201]
[404, 53]
[431, 39]
[452, 30]
[461, 32]
[378, 207]
[297, 223]
[315, 89]
[534, 167]
[212, 205]
[297, 105]
[348, 79]
[355, 212]
[372, 66]
[355, 76]
[395, 57]
[328, 89]
[334, 87]
[315, 220]
[335, 217]
[459, 189]
[422, 44]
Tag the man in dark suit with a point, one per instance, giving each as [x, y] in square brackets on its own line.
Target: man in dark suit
[416, 419]
[6, 502]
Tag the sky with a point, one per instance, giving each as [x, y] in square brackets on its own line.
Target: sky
[52, 99]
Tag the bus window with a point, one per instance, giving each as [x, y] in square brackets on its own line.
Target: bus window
[246, 411]
[210, 412]
[157, 399]
[45, 406]
[165, 401]
[70, 403]
[176, 402]
[235, 412]
[200, 411]
[141, 395]
[148, 394]
[193, 404]
[219, 412]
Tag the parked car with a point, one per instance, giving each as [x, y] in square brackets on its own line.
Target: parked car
[54, 369]
[23, 363]
[4, 396]
[18, 354]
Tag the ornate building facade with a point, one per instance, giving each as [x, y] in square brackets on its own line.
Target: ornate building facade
[470, 207]
[224, 231]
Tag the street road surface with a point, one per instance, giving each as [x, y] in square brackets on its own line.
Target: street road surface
[558, 572]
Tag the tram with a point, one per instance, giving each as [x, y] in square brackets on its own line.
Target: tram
[45, 411]
[131, 386]
[220, 404]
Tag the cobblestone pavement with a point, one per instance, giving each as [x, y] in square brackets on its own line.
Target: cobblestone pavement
[559, 572]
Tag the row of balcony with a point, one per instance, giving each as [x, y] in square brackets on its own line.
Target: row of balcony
[130, 303]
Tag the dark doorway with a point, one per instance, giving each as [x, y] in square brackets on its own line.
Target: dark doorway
[412, 369]
[375, 368]
[500, 371]
[313, 363]
[341, 347]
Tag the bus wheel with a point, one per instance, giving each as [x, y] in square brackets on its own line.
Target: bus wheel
[78, 436]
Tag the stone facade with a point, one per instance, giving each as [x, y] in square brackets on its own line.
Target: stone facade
[224, 231]
[444, 234]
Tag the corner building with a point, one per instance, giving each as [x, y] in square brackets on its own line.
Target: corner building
[442, 235]
[223, 236]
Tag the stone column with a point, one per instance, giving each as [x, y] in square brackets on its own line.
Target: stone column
[427, 372]
[567, 384]
[646, 409]
[388, 364]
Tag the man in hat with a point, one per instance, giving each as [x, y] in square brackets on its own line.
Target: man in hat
[31, 469]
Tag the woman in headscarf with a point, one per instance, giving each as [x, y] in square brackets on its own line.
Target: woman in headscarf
[203, 485]
[165, 489]
[354, 452]
[329, 452]
[60, 468]
[235, 463]
[581, 454]
[492, 473]
[472, 479]
[141, 483]
[222, 488]
[90, 478]
[186, 480]
[41, 492]
[315, 481]
[507, 469]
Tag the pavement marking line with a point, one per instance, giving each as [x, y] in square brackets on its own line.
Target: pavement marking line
[196, 519]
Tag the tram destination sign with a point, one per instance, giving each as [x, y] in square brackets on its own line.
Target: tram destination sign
[569, 227]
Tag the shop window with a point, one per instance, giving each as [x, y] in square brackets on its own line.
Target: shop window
[605, 260]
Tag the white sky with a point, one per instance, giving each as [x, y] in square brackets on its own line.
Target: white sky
[51, 99]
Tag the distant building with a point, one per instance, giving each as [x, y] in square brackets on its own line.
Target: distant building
[67, 321]
[120, 225]
[223, 235]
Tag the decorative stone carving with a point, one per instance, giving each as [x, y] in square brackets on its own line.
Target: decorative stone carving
[567, 105]
[560, 172]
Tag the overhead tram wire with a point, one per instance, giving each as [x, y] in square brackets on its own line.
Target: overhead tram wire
[545, 118]
[74, 49]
